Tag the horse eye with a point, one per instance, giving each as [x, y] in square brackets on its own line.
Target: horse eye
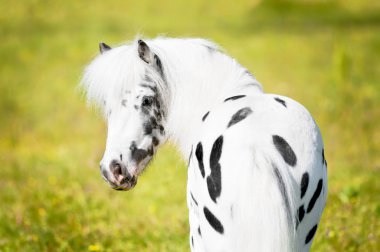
[147, 101]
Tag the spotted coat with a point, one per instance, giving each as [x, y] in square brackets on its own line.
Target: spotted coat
[243, 140]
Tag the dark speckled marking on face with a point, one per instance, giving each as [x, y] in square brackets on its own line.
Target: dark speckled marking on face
[155, 141]
[150, 125]
[124, 102]
[148, 128]
[157, 114]
[162, 129]
[138, 154]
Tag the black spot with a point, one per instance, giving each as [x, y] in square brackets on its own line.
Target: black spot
[162, 129]
[213, 221]
[205, 116]
[150, 151]
[136, 107]
[147, 101]
[234, 98]
[214, 180]
[315, 196]
[137, 154]
[285, 150]
[300, 215]
[121, 157]
[124, 102]
[284, 193]
[280, 101]
[239, 115]
[195, 201]
[199, 155]
[149, 125]
[158, 115]
[311, 234]
[148, 128]
[304, 183]
[158, 105]
[199, 231]
[192, 241]
[155, 141]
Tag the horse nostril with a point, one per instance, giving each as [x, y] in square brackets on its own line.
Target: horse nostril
[115, 168]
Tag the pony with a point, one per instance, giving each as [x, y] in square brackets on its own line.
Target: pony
[257, 174]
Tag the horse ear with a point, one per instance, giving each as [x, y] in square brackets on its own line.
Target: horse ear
[144, 52]
[103, 47]
[149, 57]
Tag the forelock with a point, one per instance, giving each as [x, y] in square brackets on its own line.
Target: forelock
[109, 75]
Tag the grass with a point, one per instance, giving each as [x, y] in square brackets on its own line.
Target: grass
[325, 54]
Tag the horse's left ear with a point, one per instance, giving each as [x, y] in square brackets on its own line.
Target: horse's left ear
[103, 47]
[148, 56]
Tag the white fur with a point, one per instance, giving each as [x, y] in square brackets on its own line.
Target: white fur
[197, 78]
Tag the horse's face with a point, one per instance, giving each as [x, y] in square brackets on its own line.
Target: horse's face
[136, 126]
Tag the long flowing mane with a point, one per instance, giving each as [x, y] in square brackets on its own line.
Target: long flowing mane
[185, 62]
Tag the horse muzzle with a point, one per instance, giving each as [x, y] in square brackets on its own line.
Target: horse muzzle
[118, 177]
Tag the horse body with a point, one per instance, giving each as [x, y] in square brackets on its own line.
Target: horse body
[255, 195]
[257, 173]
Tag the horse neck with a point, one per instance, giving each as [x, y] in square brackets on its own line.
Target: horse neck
[197, 86]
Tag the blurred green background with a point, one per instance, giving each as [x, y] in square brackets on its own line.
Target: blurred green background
[325, 54]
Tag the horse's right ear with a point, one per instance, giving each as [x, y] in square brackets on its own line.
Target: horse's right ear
[103, 47]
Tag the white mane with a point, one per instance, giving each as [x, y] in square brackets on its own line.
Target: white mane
[197, 75]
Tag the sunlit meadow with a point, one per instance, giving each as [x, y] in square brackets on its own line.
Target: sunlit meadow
[325, 54]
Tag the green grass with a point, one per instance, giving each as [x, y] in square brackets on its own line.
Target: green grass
[325, 54]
